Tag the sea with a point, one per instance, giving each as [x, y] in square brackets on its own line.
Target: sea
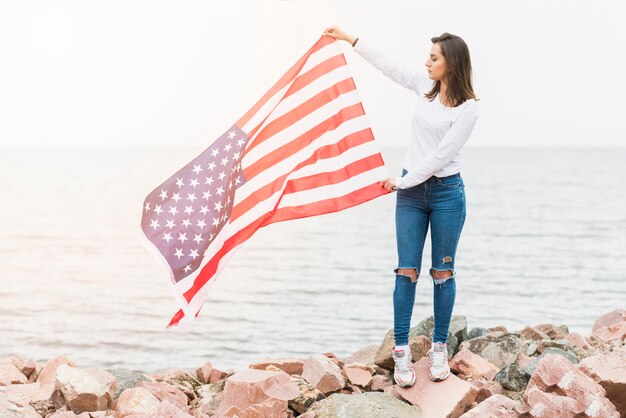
[544, 241]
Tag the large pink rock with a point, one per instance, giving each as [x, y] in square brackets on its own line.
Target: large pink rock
[169, 410]
[366, 355]
[250, 393]
[30, 392]
[380, 383]
[165, 392]
[610, 326]
[88, 389]
[614, 317]
[485, 389]
[577, 340]
[534, 333]
[10, 375]
[288, 365]
[136, 401]
[14, 407]
[358, 374]
[204, 372]
[446, 399]
[323, 374]
[497, 406]
[554, 332]
[558, 377]
[68, 414]
[468, 364]
[26, 367]
[49, 372]
[609, 370]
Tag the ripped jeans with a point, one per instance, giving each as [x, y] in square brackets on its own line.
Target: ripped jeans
[440, 203]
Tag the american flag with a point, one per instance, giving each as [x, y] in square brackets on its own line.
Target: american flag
[304, 149]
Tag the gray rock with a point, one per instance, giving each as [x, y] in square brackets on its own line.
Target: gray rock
[499, 349]
[477, 332]
[531, 349]
[458, 328]
[364, 405]
[126, 379]
[562, 344]
[530, 369]
[512, 378]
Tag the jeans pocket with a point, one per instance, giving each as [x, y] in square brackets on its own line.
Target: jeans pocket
[453, 183]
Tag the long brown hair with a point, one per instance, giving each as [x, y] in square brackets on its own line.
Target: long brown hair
[458, 73]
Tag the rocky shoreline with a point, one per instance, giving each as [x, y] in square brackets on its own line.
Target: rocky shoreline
[540, 371]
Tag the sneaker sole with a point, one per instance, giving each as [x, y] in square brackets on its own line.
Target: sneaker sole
[438, 379]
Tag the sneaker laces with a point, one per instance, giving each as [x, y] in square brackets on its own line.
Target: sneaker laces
[403, 362]
[438, 356]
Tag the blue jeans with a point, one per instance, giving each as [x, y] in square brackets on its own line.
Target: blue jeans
[440, 203]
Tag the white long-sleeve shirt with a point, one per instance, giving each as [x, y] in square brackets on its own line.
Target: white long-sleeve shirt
[437, 132]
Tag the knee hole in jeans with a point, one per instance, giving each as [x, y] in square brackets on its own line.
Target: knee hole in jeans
[410, 273]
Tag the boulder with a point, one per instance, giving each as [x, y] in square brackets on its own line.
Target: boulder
[68, 414]
[529, 369]
[610, 326]
[614, 317]
[358, 374]
[249, 392]
[497, 406]
[126, 379]
[288, 365]
[364, 405]
[558, 388]
[204, 372]
[30, 392]
[577, 340]
[533, 333]
[448, 398]
[366, 355]
[512, 378]
[10, 375]
[554, 332]
[14, 407]
[419, 345]
[469, 364]
[458, 328]
[165, 392]
[307, 396]
[323, 374]
[499, 349]
[498, 328]
[169, 410]
[477, 332]
[88, 389]
[49, 371]
[485, 389]
[136, 401]
[380, 382]
[609, 370]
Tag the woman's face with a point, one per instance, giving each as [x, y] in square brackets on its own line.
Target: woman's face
[436, 63]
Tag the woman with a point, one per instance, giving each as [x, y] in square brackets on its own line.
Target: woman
[430, 191]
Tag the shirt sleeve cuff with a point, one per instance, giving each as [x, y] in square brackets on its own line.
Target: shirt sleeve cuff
[400, 183]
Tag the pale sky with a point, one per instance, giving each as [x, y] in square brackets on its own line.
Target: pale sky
[165, 73]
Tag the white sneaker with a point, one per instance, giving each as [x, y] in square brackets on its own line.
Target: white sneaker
[439, 368]
[403, 374]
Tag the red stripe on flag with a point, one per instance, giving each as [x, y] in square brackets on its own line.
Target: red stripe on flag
[282, 122]
[303, 140]
[333, 177]
[329, 205]
[285, 79]
[327, 151]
